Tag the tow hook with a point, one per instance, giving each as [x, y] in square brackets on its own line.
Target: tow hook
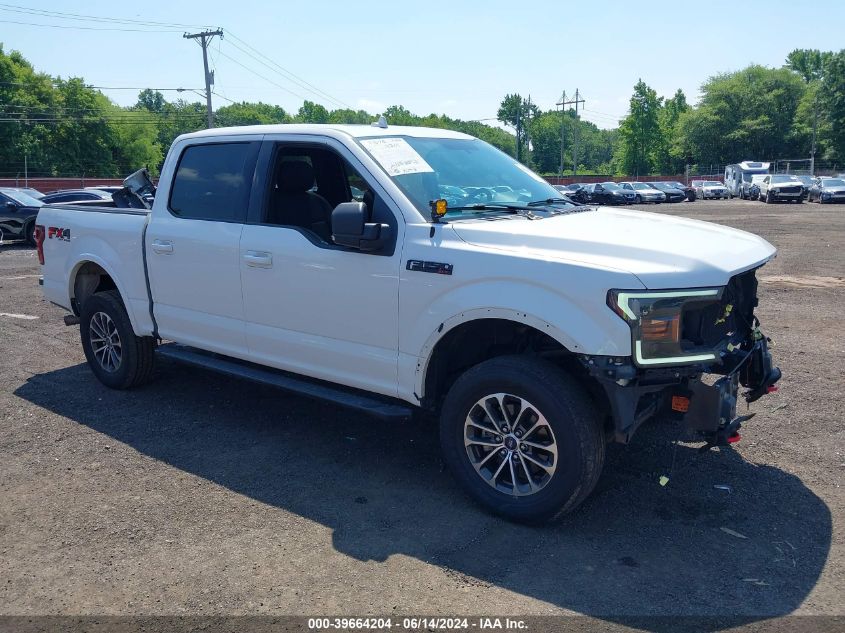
[725, 435]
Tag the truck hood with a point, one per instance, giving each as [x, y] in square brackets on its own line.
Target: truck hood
[662, 251]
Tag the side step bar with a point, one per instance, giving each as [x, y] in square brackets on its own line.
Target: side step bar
[303, 386]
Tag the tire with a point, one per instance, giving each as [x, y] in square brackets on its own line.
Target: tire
[567, 417]
[769, 198]
[29, 233]
[638, 199]
[129, 360]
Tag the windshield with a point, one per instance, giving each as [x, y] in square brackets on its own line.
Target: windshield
[712, 183]
[642, 186]
[611, 186]
[785, 179]
[22, 199]
[833, 182]
[425, 167]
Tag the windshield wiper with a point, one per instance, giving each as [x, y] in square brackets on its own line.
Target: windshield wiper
[518, 209]
[542, 203]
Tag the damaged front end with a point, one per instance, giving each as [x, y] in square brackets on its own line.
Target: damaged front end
[681, 341]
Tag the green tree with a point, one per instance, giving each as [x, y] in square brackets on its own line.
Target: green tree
[747, 114]
[832, 103]
[245, 113]
[667, 157]
[809, 63]
[311, 112]
[640, 133]
[517, 112]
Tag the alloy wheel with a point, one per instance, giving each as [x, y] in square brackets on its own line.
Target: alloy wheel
[105, 342]
[510, 444]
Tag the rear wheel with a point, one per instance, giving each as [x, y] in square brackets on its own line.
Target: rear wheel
[118, 357]
[522, 438]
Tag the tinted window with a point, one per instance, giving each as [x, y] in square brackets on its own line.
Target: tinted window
[213, 182]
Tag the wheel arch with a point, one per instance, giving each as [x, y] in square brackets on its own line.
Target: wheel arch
[472, 337]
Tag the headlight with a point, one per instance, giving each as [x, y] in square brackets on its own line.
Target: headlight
[656, 320]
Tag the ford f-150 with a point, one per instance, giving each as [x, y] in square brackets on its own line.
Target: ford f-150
[323, 259]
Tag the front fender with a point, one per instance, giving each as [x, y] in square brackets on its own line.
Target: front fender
[586, 327]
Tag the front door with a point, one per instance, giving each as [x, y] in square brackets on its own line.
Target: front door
[312, 307]
[192, 247]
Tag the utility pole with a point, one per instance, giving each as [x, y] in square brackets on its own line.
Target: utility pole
[562, 115]
[813, 146]
[564, 103]
[25, 170]
[528, 126]
[205, 38]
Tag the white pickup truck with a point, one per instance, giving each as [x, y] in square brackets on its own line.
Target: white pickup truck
[393, 269]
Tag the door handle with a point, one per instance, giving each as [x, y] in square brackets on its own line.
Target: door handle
[258, 259]
[162, 246]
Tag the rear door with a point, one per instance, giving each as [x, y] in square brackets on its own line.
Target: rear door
[192, 245]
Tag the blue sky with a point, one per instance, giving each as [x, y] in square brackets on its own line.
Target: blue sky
[455, 58]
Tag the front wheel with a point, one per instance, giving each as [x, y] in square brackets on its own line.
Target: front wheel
[29, 233]
[522, 438]
[638, 199]
[118, 357]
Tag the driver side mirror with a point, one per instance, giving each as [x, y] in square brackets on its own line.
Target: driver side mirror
[350, 228]
[11, 205]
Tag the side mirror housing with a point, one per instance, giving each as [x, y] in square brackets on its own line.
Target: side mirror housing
[350, 228]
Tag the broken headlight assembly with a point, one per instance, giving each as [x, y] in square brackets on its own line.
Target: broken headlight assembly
[656, 321]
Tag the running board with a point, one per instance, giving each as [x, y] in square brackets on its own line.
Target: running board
[295, 384]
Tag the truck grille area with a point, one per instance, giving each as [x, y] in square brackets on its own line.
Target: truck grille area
[707, 324]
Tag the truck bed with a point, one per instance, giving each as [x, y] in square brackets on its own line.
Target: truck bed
[104, 235]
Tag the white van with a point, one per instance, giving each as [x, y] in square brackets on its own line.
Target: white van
[738, 173]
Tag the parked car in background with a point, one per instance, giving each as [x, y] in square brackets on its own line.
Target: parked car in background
[781, 187]
[672, 193]
[740, 173]
[712, 189]
[106, 188]
[74, 195]
[452, 195]
[689, 190]
[826, 190]
[32, 193]
[807, 182]
[17, 214]
[574, 192]
[644, 192]
[751, 188]
[609, 193]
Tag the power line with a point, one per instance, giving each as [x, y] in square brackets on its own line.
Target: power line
[60, 15]
[257, 74]
[284, 72]
[87, 28]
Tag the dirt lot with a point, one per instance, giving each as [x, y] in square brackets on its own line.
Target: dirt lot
[202, 495]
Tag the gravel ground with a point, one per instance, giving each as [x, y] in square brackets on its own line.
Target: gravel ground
[202, 495]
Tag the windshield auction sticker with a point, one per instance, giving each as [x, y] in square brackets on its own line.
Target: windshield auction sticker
[396, 156]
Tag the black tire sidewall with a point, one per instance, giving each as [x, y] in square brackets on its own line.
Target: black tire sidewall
[29, 233]
[111, 305]
[569, 478]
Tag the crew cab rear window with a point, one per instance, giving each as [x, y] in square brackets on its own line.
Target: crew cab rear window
[213, 182]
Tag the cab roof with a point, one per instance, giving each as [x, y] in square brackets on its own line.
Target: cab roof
[330, 129]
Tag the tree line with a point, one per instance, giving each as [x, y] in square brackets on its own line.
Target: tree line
[64, 127]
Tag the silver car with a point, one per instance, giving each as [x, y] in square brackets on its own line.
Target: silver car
[644, 192]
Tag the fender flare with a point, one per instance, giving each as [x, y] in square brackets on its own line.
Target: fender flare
[91, 258]
[506, 314]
